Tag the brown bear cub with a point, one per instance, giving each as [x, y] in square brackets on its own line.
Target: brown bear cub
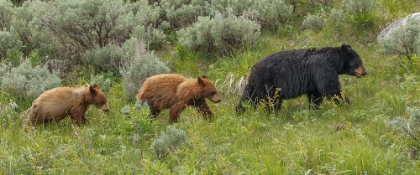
[175, 92]
[58, 103]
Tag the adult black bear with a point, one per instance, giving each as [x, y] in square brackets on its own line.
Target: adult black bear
[292, 73]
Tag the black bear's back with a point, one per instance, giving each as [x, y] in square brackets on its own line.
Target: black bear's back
[286, 70]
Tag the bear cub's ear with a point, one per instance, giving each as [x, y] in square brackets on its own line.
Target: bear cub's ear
[93, 88]
[200, 81]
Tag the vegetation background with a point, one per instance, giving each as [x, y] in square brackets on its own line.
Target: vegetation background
[117, 44]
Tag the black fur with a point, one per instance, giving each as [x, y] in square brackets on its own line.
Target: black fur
[313, 72]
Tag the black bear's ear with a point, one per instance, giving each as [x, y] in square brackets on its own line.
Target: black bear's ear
[344, 48]
[92, 89]
[200, 81]
[204, 76]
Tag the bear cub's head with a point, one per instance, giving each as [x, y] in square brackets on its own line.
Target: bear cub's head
[354, 65]
[98, 98]
[209, 90]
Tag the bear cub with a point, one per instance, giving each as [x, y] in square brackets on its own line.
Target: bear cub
[175, 92]
[58, 103]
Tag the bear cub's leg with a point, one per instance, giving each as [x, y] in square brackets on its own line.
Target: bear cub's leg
[77, 118]
[203, 108]
[154, 111]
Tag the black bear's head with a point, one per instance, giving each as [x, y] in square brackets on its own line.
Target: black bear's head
[353, 63]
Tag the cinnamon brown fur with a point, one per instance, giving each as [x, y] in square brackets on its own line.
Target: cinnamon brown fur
[175, 92]
[58, 103]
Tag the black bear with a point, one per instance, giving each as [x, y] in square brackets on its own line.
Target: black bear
[292, 73]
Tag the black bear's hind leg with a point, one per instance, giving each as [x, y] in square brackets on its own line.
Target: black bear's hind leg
[314, 99]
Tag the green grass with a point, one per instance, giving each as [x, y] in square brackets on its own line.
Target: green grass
[336, 139]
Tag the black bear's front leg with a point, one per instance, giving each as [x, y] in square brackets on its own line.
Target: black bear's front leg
[328, 85]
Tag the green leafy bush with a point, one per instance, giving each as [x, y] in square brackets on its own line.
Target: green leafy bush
[138, 64]
[170, 140]
[396, 6]
[220, 34]
[26, 81]
[361, 13]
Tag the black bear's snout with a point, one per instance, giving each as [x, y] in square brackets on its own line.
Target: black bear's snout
[360, 72]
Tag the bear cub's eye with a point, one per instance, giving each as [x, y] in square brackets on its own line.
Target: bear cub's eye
[103, 102]
[213, 93]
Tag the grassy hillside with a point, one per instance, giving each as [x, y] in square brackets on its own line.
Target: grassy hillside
[336, 139]
[361, 138]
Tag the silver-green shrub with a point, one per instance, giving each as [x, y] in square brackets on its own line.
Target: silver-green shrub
[6, 13]
[169, 140]
[197, 35]
[273, 13]
[359, 7]
[85, 24]
[237, 7]
[314, 21]
[8, 41]
[26, 81]
[107, 58]
[410, 126]
[181, 13]
[102, 81]
[231, 33]
[148, 23]
[138, 64]
[403, 38]
[220, 34]
[270, 14]
[338, 18]
[3, 69]
[27, 26]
